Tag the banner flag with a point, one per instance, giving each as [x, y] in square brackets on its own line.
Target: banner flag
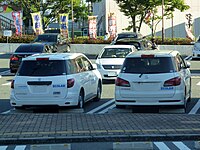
[17, 22]
[112, 25]
[37, 23]
[148, 17]
[92, 24]
[64, 24]
[189, 27]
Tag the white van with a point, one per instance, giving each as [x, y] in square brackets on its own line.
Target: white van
[61, 79]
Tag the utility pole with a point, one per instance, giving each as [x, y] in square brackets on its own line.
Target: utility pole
[72, 21]
[163, 30]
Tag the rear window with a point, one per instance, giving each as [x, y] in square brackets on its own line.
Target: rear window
[29, 49]
[42, 68]
[46, 38]
[134, 43]
[148, 65]
[115, 52]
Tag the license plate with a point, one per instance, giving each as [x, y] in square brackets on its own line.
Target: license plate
[112, 74]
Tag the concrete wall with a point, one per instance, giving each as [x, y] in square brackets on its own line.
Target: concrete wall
[94, 49]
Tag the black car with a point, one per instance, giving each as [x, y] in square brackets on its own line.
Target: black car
[25, 50]
[136, 39]
[58, 42]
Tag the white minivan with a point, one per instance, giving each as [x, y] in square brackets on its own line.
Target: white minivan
[61, 79]
[159, 77]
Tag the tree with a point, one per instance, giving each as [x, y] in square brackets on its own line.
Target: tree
[136, 10]
[53, 6]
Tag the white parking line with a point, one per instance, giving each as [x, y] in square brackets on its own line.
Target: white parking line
[5, 72]
[100, 107]
[6, 112]
[106, 110]
[198, 83]
[195, 108]
[181, 145]
[3, 147]
[20, 147]
[161, 146]
[7, 83]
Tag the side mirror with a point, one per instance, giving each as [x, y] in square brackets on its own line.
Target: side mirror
[94, 66]
[188, 64]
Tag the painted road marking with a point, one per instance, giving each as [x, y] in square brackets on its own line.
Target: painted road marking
[181, 146]
[161, 146]
[106, 109]
[195, 108]
[198, 83]
[9, 83]
[3, 147]
[101, 106]
[20, 147]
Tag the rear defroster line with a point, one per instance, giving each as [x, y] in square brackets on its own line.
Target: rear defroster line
[101, 107]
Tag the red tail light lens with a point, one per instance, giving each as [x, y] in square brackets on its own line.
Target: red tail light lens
[12, 84]
[173, 82]
[70, 83]
[122, 82]
[38, 59]
[14, 58]
[147, 56]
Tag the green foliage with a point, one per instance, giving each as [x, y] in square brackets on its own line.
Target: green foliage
[99, 40]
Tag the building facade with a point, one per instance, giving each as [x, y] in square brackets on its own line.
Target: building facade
[172, 27]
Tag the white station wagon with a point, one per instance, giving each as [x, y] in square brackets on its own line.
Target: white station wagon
[159, 77]
[61, 79]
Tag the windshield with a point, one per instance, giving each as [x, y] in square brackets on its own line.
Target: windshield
[46, 38]
[148, 65]
[115, 52]
[42, 68]
[29, 48]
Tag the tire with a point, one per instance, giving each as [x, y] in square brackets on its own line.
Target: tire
[98, 96]
[81, 100]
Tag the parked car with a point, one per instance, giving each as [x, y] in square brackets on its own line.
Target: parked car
[58, 42]
[25, 50]
[136, 39]
[60, 79]
[125, 35]
[153, 78]
[196, 49]
[111, 58]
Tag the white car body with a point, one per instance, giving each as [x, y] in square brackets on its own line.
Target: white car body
[60, 90]
[110, 65]
[157, 86]
[196, 50]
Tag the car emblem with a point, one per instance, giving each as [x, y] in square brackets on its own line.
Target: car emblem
[39, 79]
[112, 67]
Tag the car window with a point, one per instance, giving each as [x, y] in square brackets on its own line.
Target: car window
[46, 38]
[148, 65]
[87, 64]
[134, 43]
[115, 52]
[180, 63]
[42, 68]
[29, 48]
[71, 66]
[80, 65]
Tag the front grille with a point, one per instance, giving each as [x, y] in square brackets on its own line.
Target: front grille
[110, 67]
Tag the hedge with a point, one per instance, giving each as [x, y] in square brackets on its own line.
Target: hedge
[99, 40]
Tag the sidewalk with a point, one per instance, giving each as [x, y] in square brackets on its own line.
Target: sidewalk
[26, 128]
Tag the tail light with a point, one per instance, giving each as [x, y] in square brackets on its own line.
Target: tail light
[12, 84]
[121, 82]
[70, 83]
[14, 58]
[173, 82]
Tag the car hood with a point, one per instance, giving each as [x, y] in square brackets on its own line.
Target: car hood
[112, 61]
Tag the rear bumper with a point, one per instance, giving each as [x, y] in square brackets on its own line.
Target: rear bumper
[176, 99]
[71, 100]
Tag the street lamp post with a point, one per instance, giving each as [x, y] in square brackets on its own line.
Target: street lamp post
[163, 30]
[72, 21]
